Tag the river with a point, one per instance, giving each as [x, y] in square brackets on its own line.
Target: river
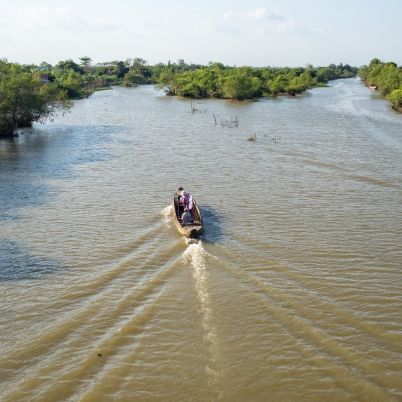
[292, 294]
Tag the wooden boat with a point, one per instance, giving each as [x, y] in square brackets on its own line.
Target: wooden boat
[195, 228]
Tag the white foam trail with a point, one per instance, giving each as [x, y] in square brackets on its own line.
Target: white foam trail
[166, 214]
[195, 254]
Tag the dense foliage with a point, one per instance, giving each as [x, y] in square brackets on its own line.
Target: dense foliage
[219, 81]
[25, 99]
[30, 93]
[386, 78]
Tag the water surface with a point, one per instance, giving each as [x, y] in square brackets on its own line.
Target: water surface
[292, 294]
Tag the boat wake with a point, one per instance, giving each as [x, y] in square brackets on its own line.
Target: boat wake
[166, 215]
[195, 255]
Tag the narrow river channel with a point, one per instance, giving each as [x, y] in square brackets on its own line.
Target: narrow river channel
[292, 294]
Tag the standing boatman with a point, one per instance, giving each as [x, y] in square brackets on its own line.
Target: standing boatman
[184, 206]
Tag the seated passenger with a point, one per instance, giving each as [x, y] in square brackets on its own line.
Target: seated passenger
[186, 218]
[187, 201]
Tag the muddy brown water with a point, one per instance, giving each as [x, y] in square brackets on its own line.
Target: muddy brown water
[292, 294]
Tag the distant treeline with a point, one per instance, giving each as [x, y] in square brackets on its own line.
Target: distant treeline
[386, 78]
[219, 81]
[32, 92]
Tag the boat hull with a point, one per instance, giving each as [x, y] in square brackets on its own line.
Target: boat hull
[192, 230]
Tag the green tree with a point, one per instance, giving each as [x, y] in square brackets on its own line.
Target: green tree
[133, 78]
[24, 99]
[395, 97]
[67, 65]
[85, 61]
[186, 84]
[76, 85]
[374, 62]
[277, 85]
[120, 68]
[325, 74]
[388, 79]
[45, 66]
[363, 73]
[240, 84]
[166, 81]
[300, 83]
[141, 67]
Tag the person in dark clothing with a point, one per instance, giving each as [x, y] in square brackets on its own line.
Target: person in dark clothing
[178, 201]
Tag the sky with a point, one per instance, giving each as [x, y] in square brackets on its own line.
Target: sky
[252, 32]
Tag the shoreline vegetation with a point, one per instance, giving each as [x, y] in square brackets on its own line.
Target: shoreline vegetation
[31, 93]
[386, 78]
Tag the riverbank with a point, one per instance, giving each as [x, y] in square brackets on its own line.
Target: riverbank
[396, 105]
[48, 88]
[386, 78]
